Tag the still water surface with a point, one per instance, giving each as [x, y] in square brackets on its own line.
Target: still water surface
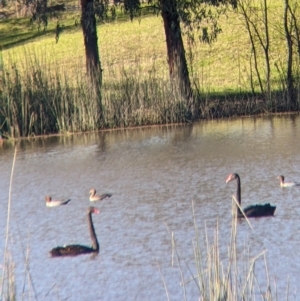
[153, 174]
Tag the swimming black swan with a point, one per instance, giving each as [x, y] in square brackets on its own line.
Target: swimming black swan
[94, 197]
[287, 184]
[73, 250]
[258, 210]
[54, 203]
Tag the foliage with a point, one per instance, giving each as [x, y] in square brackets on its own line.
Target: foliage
[132, 7]
[202, 17]
[197, 16]
[101, 8]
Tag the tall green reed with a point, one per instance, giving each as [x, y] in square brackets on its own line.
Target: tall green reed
[39, 99]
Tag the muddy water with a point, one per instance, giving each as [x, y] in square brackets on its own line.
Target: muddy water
[154, 175]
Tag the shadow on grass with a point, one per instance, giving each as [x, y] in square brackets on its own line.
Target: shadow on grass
[243, 103]
[26, 33]
[27, 37]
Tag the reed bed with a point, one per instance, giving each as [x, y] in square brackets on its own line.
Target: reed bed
[37, 99]
[40, 101]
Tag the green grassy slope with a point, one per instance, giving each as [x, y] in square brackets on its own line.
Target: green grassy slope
[139, 47]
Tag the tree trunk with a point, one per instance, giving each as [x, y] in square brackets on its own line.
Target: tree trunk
[289, 73]
[88, 23]
[178, 69]
[266, 47]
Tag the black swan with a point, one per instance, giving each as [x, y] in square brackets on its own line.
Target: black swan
[252, 210]
[286, 184]
[73, 250]
[54, 203]
[94, 197]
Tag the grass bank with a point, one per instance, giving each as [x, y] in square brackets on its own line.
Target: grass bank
[44, 88]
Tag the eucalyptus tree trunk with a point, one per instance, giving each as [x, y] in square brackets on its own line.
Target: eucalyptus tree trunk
[178, 69]
[89, 28]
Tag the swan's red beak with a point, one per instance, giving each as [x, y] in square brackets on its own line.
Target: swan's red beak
[229, 178]
[96, 211]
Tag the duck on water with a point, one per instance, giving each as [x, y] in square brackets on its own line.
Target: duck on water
[258, 210]
[54, 203]
[284, 184]
[94, 197]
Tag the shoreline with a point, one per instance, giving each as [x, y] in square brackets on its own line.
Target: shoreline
[141, 127]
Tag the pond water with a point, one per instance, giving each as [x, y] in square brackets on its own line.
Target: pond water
[157, 176]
